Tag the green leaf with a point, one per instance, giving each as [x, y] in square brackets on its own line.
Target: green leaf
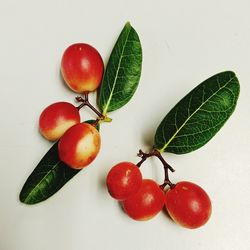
[122, 73]
[199, 115]
[48, 177]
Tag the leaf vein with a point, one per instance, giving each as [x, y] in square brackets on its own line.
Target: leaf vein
[214, 94]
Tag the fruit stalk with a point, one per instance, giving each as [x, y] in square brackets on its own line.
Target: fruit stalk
[166, 166]
[85, 102]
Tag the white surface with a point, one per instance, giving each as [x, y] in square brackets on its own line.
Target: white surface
[184, 42]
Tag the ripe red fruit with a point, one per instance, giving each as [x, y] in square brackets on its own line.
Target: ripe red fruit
[82, 67]
[79, 145]
[146, 203]
[124, 180]
[56, 119]
[188, 204]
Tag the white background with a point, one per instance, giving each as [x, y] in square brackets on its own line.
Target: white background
[184, 43]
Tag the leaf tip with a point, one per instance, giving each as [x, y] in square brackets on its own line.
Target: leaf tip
[128, 24]
[23, 200]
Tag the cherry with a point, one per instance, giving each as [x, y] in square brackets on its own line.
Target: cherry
[124, 180]
[82, 67]
[79, 145]
[146, 203]
[56, 119]
[188, 204]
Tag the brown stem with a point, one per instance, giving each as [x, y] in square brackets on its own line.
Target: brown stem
[85, 102]
[95, 123]
[143, 156]
[166, 166]
[166, 180]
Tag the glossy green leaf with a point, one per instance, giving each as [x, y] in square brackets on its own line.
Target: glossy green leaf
[48, 177]
[199, 115]
[123, 71]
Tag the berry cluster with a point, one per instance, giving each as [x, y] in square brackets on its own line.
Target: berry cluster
[79, 143]
[142, 199]
[185, 128]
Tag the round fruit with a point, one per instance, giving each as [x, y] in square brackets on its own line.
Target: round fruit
[124, 180]
[82, 67]
[188, 204]
[79, 145]
[57, 118]
[146, 203]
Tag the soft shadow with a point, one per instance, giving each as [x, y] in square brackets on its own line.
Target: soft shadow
[120, 206]
[102, 182]
[148, 137]
[166, 214]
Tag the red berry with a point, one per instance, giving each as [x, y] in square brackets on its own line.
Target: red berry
[146, 203]
[124, 180]
[57, 118]
[79, 146]
[188, 204]
[82, 67]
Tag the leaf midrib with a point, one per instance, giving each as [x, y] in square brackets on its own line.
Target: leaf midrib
[116, 75]
[179, 129]
[35, 187]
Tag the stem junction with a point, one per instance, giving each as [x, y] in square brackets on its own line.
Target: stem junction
[85, 102]
[144, 156]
